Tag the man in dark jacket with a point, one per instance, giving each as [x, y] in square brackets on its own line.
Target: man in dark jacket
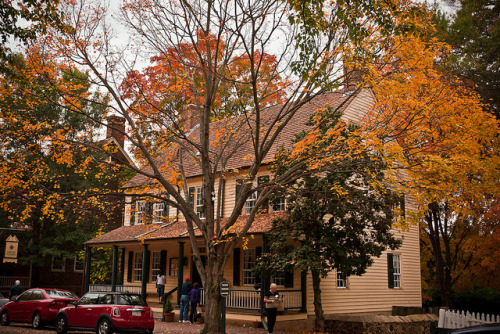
[186, 287]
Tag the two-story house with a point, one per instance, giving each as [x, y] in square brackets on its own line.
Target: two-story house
[154, 238]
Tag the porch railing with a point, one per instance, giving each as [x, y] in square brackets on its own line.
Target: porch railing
[250, 299]
[9, 281]
[119, 288]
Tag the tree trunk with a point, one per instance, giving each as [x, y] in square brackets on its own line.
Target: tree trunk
[319, 321]
[215, 269]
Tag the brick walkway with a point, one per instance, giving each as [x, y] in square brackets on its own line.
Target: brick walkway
[176, 327]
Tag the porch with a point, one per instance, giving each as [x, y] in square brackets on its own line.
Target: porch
[238, 299]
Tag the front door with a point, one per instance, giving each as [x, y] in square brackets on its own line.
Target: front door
[195, 275]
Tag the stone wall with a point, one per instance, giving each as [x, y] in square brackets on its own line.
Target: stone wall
[380, 324]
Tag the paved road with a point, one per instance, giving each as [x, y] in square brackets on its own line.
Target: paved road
[160, 328]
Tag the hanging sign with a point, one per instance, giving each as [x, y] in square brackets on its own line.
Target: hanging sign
[11, 245]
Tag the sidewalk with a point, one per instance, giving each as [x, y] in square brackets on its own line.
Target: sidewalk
[176, 327]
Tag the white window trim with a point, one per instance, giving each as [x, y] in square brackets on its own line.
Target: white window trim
[139, 212]
[250, 202]
[137, 267]
[248, 277]
[75, 262]
[281, 204]
[341, 278]
[199, 203]
[63, 269]
[396, 264]
[155, 265]
[158, 209]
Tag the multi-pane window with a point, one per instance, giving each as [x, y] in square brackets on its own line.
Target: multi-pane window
[341, 279]
[396, 263]
[155, 265]
[279, 205]
[79, 263]
[140, 212]
[279, 279]
[199, 203]
[174, 267]
[138, 267]
[158, 209]
[58, 263]
[250, 202]
[249, 260]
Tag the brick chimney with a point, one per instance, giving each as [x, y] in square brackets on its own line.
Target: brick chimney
[116, 129]
[191, 117]
[353, 76]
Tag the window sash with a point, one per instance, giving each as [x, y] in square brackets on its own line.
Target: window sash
[279, 205]
[141, 209]
[249, 261]
[199, 203]
[174, 267]
[158, 209]
[250, 203]
[341, 280]
[79, 264]
[58, 263]
[155, 265]
[138, 267]
[396, 262]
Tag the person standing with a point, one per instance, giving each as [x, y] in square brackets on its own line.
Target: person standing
[160, 285]
[186, 287]
[16, 290]
[271, 298]
[194, 298]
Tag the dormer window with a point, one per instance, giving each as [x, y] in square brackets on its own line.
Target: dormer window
[141, 211]
[200, 210]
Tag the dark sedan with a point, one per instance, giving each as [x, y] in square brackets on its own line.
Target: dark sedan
[36, 306]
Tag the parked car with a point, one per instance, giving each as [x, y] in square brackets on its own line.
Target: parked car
[487, 328]
[3, 300]
[38, 306]
[107, 312]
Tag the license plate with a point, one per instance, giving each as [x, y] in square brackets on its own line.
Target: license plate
[136, 313]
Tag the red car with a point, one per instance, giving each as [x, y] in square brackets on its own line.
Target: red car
[38, 306]
[107, 312]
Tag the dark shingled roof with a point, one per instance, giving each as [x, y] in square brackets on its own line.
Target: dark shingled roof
[176, 229]
[242, 143]
[263, 222]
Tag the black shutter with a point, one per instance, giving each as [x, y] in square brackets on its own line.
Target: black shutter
[289, 278]
[264, 208]
[239, 184]
[163, 261]
[132, 212]
[402, 206]
[390, 270]
[165, 210]
[258, 251]
[146, 265]
[191, 196]
[236, 266]
[130, 266]
[149, 212]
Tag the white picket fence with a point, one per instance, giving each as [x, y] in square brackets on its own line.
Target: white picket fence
[451, 319]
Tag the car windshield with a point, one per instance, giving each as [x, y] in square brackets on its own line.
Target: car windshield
[129, 299]
[60, 294]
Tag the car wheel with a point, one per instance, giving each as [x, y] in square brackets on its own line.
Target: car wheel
[37, 321]
[104, 327]
[61, 325]
[4, 319]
